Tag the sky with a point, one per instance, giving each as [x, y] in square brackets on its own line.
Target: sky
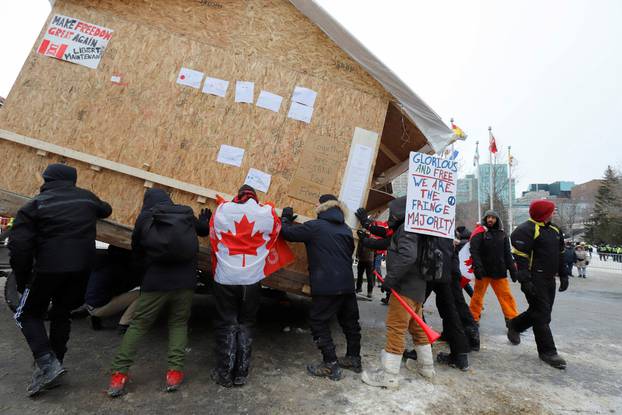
[545, 75]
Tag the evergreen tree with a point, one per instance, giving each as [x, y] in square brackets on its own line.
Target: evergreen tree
[605, 224]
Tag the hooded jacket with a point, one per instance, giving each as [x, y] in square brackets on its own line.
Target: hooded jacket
[490, 250]
[56, 230]
[330, 246]
[402, 255]
[163, 276]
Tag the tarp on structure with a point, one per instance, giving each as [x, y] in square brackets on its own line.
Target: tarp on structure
[429, 123]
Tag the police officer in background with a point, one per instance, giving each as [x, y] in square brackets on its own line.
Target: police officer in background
[538, 248]
[52, 246]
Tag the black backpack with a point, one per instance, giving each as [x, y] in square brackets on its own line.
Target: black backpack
[431, 257]
[169, 235]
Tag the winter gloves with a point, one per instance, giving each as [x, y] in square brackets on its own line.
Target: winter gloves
[563, 284]
[287, 215]
[363, 217]
[205, 215]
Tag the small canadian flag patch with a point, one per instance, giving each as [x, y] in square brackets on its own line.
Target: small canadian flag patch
[56, 50]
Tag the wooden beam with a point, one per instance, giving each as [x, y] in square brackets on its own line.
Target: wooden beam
[391, 155]
[121, 236]
[102, 163]
[389, 175]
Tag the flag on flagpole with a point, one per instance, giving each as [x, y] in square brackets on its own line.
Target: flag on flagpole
[454, 155]
[493, 144]
[460, 135]
[476, 156]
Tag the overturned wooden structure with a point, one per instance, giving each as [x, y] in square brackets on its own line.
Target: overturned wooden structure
[127, 124]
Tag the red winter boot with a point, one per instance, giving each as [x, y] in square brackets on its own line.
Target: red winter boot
[117, 384]
[174, 379]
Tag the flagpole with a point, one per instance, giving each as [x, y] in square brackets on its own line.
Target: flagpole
[479, 180]
[510, 218]
[491, 184]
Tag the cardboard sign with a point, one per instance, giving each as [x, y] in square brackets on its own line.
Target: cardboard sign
[72, 40]
[431, 195]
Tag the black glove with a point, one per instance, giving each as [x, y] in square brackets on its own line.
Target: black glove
[563, 284]
[363, 217]
[205, 215]
[361, 234]
[287, 215]
[388, 285]
[522, 276]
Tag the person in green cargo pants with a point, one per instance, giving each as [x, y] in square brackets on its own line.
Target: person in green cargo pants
[165, 243]
[149, 306]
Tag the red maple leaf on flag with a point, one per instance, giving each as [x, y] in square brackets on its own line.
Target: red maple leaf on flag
[243, 242]
[469, 264]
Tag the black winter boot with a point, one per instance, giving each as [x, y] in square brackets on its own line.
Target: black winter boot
[459, 361]
[46, 374]
[352, 363]
[226, 347]
[472, 334]
[410, 354]
[513, 334]
[243, 356]
[554, 360]
[330, 370]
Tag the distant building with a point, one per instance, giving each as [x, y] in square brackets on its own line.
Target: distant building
[561, 189]
[586, 191]
[400, 184]
[466, 191]
[500, 178]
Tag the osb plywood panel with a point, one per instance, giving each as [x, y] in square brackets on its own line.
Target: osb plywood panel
[270, 30]
[175, 130]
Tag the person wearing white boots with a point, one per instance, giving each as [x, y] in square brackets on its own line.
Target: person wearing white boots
[404, 276]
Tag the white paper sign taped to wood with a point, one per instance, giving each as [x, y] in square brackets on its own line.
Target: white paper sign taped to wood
[190, 77]
[244, 91]
[73, 40]
[304, 96]
[258, 179]
[230, 155]
[269, 101]
[300, 112]
[215, 86]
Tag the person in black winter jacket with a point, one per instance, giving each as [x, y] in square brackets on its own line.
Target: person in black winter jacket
[166, 284]
[492, 259]
[538, 246]
[330, 246]
[52, 245]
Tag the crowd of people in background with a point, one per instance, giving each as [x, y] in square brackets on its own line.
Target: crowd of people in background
[52, 247]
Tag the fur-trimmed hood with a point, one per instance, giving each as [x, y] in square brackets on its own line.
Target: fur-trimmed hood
[332, 211]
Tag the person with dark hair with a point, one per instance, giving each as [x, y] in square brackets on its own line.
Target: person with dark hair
[468, 322]
[52, 246]
[165, 242]
[538, 247]
[330, 245]
[243, 233]
[365, 265]
[492, 259]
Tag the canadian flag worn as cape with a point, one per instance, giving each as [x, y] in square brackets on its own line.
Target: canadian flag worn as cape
[245, 243]
[466, 262]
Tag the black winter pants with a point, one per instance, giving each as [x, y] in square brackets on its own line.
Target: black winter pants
[323, 309]
[538, 315]
[365, 267]
[236, 308]
[66, 292]
[453, 329]
[462, 308]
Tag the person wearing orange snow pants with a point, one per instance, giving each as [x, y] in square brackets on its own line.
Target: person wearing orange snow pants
[492, 259]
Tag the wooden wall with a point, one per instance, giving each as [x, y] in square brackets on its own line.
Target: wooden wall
[178, 130]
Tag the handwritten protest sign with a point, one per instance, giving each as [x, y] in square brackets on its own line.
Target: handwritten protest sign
[431, 195]
[72, 40]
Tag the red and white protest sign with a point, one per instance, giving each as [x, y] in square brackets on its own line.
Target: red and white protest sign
[73, 40]
[431, 195]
